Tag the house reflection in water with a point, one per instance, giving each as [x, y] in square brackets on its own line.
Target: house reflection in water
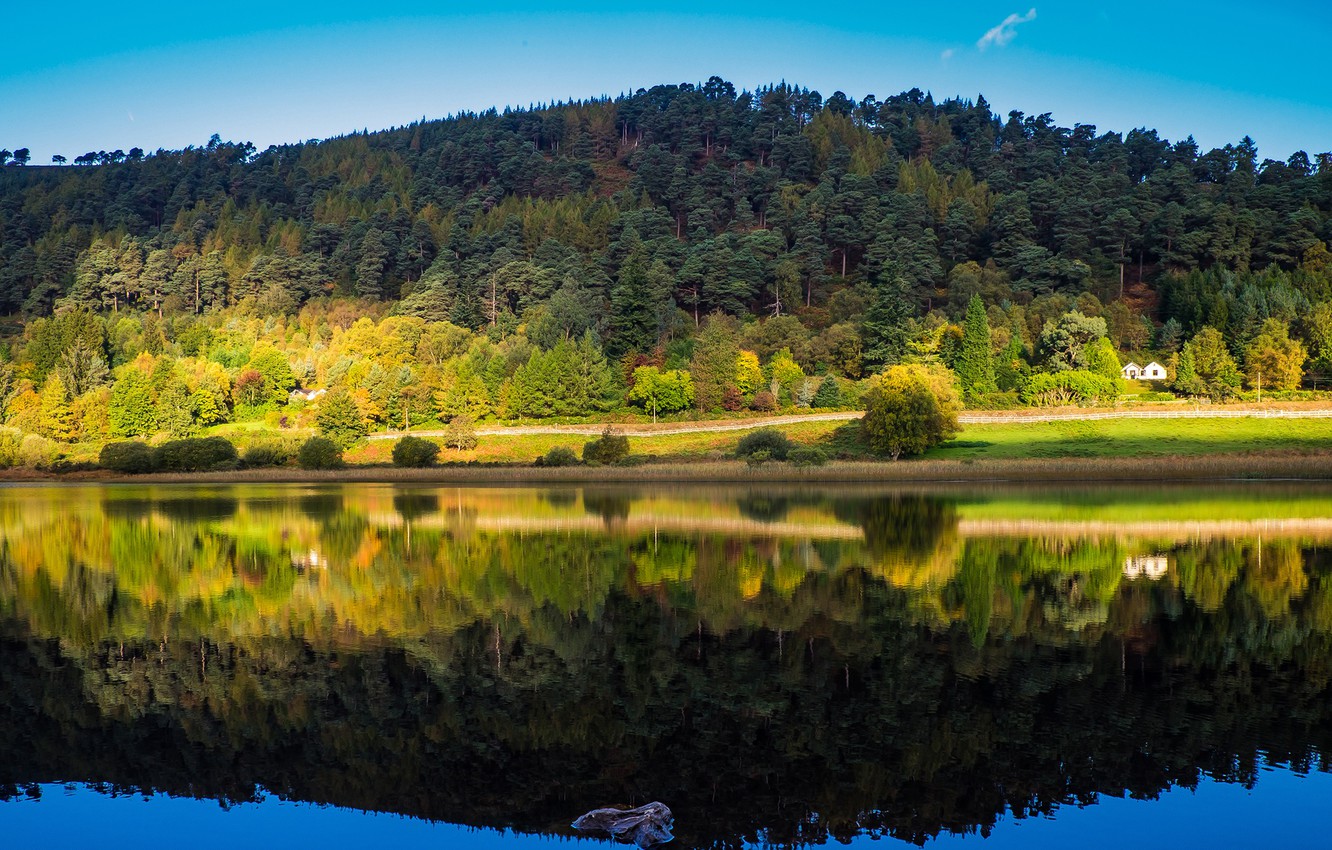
[1146, 566]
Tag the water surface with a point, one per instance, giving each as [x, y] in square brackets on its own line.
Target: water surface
[999, 667]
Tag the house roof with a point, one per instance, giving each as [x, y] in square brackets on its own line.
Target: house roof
[1154, 363]
[1131, 364]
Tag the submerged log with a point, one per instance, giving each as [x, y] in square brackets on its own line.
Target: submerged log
[646, 826]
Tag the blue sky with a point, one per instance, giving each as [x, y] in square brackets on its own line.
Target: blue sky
[76, 77]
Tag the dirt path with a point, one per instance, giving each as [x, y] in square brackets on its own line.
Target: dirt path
[661, 429]
[977, 418]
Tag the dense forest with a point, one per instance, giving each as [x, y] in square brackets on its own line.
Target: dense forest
[823, 237]
[835, 664]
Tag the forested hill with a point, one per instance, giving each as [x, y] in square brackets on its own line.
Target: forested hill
[635, 216]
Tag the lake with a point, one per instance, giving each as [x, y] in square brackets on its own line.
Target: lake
[363, 665]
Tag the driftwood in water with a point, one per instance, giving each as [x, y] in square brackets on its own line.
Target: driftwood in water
[646, 826]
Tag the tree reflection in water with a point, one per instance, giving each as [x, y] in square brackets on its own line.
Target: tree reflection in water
[790, 665]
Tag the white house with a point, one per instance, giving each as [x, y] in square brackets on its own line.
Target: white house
[1151, 372]
[300, 394]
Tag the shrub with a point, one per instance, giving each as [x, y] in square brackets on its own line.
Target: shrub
[319, 453]
[609, 448]
[414, 452]
[758, 457]
[773, 443]
[130, 456]
[267, 453]
[732, 399]
[195, 454]
[764, 400]
[36, 451]
[995, 401]
[807, 456]
[1053, 389]
[461, 433]
[558, 456]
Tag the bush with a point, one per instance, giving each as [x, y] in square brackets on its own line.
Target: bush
[807, 456]
[267, 453]
[732, 399]
[1054, 389]
[195, 454]
[764, 400]
[609, 448]
[414, 452]
[132, 457]
[461, 433]
[772, 443]
[38, 452]
[319, 453]
[558, 456]
[995, 401]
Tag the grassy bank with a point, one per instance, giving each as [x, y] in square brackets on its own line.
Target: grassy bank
[1109, 450]
[1032, 441]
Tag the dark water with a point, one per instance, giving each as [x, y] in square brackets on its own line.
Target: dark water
[373, 665]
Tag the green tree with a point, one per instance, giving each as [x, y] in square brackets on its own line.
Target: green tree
[1205, 367]
[975, 366]
[1273, 360]
[461, 433]
[1064, 340]
[132, 411]
[661, 392]
[1101, 359]
[908, 410]
[273, 366]
[56, 418]
[339, 419]
[712, 366]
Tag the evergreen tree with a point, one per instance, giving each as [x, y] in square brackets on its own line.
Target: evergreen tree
[884, 329]
[56, 418]
[132, 411]
[712, 366]
[632, 320]
[975, 366]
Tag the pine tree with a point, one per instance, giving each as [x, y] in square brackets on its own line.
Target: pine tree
[131, 411]
[632, 322]
[884, 328]
[975, 366]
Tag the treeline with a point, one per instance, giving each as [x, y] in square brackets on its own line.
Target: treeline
[543, 257]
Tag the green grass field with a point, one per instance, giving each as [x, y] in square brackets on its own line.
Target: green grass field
[1140, 438]
[1137, 438]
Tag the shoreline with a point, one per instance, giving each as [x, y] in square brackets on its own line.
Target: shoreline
[1267, 466]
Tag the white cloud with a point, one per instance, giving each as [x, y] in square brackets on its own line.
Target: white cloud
[947, 54]
[1005, 32]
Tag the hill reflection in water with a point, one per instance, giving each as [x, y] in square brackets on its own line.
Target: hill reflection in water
[780, 665]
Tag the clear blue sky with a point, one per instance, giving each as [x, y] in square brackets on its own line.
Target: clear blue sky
[76, 77]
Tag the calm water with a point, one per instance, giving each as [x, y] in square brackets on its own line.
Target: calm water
[369, 665]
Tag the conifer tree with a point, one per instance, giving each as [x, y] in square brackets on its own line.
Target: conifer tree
[975, 366]
[56, 417]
